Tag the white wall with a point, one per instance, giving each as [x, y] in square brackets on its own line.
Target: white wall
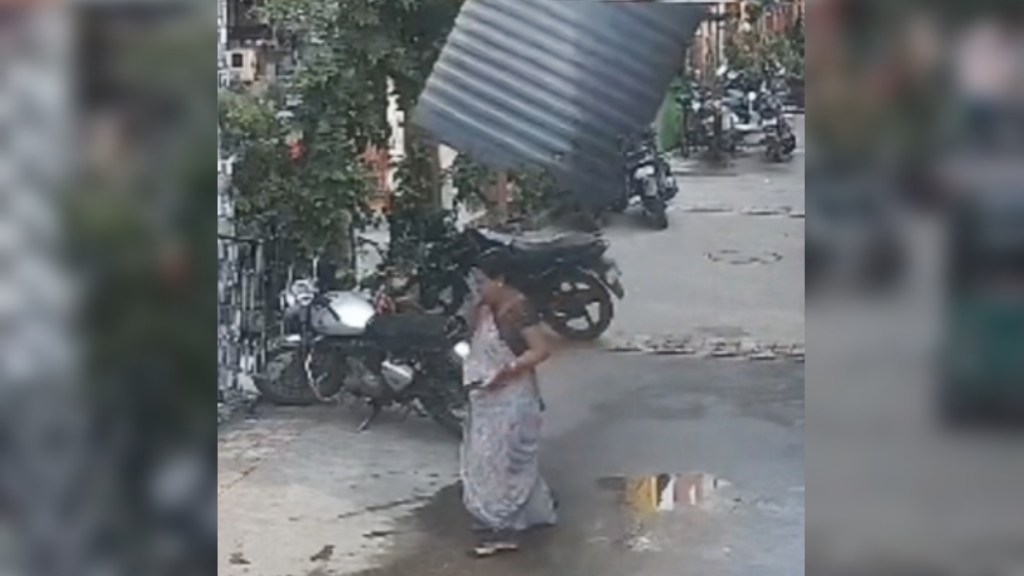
[397, 148]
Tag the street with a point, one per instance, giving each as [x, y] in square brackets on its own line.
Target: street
[728, 272]
[302, 493]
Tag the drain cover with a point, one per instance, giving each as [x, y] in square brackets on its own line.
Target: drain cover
[739, 258]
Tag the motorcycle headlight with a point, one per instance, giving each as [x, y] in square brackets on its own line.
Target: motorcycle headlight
[300, 294]
[462, 350]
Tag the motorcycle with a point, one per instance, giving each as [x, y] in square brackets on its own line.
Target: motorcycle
[649, 178]
[567, 277]
[778, 138]
[340, 342]
[706, 125]
[741, 105]
[564, 276]
[758, 109]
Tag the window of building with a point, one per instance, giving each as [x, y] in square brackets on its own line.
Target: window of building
[237, 61]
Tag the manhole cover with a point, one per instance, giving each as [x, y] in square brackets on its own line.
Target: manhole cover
[740, 258]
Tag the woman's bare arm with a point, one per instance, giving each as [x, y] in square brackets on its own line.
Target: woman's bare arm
[538, 350]
[536, 353]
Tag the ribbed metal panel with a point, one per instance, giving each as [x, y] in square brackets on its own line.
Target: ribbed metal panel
[555, 83]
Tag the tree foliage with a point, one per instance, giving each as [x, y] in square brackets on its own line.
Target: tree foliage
[348, 52]
[750, 46]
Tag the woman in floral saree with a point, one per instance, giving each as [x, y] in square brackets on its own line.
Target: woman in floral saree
[502, 486]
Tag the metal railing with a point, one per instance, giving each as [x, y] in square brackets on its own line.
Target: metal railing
[242, 309]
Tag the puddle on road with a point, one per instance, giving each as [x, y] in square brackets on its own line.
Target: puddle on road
[648, 499]
[650, 495]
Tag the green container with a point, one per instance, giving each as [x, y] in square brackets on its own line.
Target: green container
[671, 121]
[985, 356]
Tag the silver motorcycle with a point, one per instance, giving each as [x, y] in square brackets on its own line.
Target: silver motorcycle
[346, 343]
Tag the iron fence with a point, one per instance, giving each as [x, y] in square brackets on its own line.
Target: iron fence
[242, 309]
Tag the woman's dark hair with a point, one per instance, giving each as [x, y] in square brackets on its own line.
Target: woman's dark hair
[495, 263]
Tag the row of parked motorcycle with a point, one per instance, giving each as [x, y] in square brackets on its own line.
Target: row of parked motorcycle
[738, 110]
[400, 338]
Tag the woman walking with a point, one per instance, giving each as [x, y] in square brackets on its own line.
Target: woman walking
[501, 481]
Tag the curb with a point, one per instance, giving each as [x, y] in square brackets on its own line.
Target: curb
[744, 349]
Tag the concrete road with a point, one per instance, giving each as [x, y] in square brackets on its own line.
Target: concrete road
[302, 494]
[731, 264]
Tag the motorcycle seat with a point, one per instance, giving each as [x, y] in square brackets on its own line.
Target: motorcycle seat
[545, 243]
[412, 330]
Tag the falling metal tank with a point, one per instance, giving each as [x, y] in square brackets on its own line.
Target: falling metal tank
[555, 84]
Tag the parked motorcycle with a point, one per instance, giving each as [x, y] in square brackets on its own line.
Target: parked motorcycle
[753, 105]
[742, 102]
[341, 343]
[690, 101]
[705, 125]
[778, 140]
[567, 277]
[648, 178]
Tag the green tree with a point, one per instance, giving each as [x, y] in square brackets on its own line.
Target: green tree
[348, 52]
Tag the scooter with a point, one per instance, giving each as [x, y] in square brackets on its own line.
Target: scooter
[649, 178]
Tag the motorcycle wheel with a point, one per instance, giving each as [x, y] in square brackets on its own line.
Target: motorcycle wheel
[685, 137]
[284, 380]
[620, 204]
[658, 215]
[716, 146]
[445, 400]
[669, 186]
[789, 143]
[569, 300]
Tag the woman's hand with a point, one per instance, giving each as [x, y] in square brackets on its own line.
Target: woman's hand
[504, 375]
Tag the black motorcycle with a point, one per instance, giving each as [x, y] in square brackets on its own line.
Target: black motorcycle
[344, 342]
[707, 126]
[779, 141]
[567, 277]
[648, 177]
[696, 130]
[755, 102]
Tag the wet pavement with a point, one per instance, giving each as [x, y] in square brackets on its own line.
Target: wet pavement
[662, 465]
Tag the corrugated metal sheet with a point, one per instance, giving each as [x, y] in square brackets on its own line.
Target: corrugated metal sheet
[555, 83]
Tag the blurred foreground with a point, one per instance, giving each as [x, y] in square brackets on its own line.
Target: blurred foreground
[915, 305]
[106, 324]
